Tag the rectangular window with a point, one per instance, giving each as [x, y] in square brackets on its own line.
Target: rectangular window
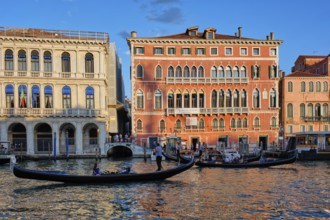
[9, 101]
[90, 101]
[229, 51]
[243, 52]
[200, 51]
[158, 50]
[139, 50]
[302, 128]
[325, 128]
[214, 51]
[273, 51]
[66, 101]
[210, 35]
[256, 51]
[186, 51]
[171, 51]
[290, 129]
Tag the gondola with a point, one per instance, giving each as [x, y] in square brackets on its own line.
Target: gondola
[253, 164]
[175, 158]
[59, 176]
[4, 160]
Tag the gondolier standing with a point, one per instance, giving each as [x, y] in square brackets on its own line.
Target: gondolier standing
[159, 155]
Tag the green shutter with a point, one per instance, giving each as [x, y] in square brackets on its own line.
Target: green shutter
[270, 71]
[174, 50]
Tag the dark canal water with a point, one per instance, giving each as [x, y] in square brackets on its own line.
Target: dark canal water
[295, 191]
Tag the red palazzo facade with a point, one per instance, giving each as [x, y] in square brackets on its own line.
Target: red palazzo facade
[205, 87]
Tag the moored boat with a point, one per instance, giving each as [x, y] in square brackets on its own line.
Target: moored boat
[60, 176]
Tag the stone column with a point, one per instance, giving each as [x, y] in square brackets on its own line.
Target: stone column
[30, 139]
[79, 139]
[57, 139]
[4, 131]
[102, 137]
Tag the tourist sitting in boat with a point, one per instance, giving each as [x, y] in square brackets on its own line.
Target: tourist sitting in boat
[96, 170]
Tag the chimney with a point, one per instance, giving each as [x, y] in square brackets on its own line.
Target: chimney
[271, 35]
[133, 34]
[267, 37]
[239, 32]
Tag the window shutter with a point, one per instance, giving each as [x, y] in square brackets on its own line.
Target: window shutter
[134, 50]
[154, 50]
[142, 49]
[174, 50]
[252, 71]
[270, 71]
[196, 51]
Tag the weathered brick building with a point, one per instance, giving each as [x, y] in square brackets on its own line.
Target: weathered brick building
[205, 87]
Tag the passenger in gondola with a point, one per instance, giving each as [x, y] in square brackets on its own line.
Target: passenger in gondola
[178, 149]
[96, 170]
[159, 155]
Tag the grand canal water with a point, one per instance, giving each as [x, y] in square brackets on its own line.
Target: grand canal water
[295, 191]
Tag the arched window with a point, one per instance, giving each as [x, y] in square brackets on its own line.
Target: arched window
[239, 123]
[193, 71]
[48, 91]
[201, 124]
[186, 99]
[139, 124]
[272, 100]
[159, 72]
[186, 72]
[194, 99]
[66, 97]
[48, 67]
[170, 100]
[272, 71]
[255, 71]
[139, 99]
[236, 71]
[311, 87]
[178, 71]
[325, 110]
[35, 61]
[139, 71]
[9, 89]
[178, 124]
[325, 86]
[22, 96]
[228, 72]
[256, 99]
[302, 110]
[214, 99]
[245, 123]
[317, 110]
[233, 123]
[244, 99]
[66, 63]
[170, 71]
[9, 60]
[89, 63]
[257, 122]
[35, 96]
[243, 71]
[236, 98]
[303, 87]
[318, 86]
[290, 87]
[162, 125]
[158, 99]
[90, 97]
[21, 60]
[221, 72]
[215, 123]
[213, 72]
[290, 110]
[201, 99]
[200, 71]
[310, 110]
[273, 122]
[221, 99]
[228, 98]
[221, 123]
[178, 99]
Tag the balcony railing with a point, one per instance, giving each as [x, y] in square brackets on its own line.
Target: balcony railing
[317, 118]
[38, 74]
[207, 111]
[50, 112]
[205, 80]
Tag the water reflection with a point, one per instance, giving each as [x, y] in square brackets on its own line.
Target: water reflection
[294, 191]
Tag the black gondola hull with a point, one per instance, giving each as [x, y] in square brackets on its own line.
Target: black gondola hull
[109, 178]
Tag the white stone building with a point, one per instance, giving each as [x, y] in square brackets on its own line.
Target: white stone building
[57, 90]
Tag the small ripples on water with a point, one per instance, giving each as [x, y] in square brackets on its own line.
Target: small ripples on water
[296, 191]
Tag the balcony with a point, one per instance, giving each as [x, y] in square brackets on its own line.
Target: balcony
[206, 80]
[207, 111]
[50, 112]
[317, 119]
[40, 74]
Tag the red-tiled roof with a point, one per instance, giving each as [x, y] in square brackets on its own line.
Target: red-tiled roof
[200, 35]
[304, 74]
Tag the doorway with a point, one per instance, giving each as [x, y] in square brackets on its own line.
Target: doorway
[194, 141]
[263, 142]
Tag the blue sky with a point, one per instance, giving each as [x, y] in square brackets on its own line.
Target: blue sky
[303, 25]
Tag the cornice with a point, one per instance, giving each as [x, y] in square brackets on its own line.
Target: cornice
[51, 40]
[204, 42]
